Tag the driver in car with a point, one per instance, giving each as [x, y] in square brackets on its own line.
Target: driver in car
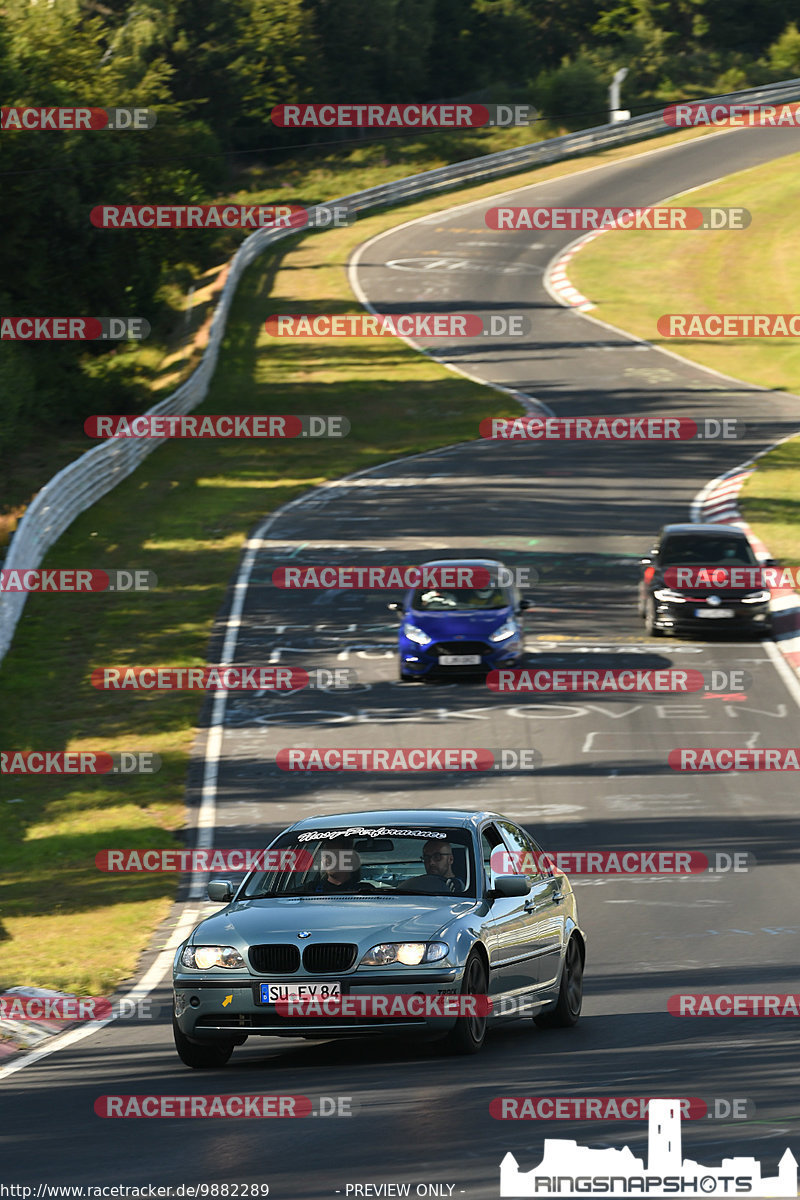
[438, 859]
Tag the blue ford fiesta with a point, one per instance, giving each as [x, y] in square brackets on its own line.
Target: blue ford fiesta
[460, 630]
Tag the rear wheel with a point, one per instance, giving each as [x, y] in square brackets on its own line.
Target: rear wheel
[469, 1033]
[193, 1054]
[570, 994]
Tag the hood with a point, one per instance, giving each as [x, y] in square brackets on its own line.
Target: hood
[476, 624]
[358, 919]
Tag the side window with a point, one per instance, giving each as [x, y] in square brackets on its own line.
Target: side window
[490, 840]
[526, 853]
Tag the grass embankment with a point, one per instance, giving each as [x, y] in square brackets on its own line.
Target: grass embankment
[184, 514]
[635, 277]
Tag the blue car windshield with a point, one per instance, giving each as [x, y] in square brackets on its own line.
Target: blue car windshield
[429, 861]
[459, 599]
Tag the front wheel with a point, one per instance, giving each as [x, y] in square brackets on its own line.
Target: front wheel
[570, 993]
[469, 1033]
[650, 618]
[193, 1054]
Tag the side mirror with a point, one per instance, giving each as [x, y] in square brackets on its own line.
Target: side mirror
[769, 562]
[510, 885]
[525, 604]
[220, 890]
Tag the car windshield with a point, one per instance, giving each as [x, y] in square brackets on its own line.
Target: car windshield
[429, 861]
[458, 599]
[689, 549]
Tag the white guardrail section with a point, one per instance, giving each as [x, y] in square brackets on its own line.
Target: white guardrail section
[83, 482]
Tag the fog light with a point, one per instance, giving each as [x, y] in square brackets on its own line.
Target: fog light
[195, 1001]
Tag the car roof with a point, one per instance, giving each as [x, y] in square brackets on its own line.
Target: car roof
[709, 529]
[463, 562]
[459, 818]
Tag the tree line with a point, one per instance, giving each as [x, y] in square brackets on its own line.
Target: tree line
[214, 69]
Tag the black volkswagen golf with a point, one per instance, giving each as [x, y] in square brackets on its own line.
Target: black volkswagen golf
[700, 577]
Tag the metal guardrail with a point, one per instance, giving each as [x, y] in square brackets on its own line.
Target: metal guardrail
[86, 480]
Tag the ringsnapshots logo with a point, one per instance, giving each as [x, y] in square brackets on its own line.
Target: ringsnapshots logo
[608, 429]
[736, 116]
[262, 425]
[76, 119]
[408, 325]
[510, 218]
[220, 679]
[401, 116]
[729, 325]
[73, 329]
[70, 580]
[567, 1169]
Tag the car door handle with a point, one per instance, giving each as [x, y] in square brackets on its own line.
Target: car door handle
[557, 897]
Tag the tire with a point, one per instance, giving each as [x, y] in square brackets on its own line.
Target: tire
[469, 1033]
[567, 1011]
[198, 1056]
[650, 618]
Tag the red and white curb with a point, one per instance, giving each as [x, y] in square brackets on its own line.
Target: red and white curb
[556, 281]
[717, 502]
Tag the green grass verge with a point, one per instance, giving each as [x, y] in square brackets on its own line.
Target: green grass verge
[184, 514]
[635, 277]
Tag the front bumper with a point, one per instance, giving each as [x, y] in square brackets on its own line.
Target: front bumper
[201, 1014]
[672, 615]
[425, 660]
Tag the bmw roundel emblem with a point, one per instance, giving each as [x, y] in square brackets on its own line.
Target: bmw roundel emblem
[304, 933]
[714, 601]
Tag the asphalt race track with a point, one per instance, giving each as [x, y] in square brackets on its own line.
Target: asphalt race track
[581, 515]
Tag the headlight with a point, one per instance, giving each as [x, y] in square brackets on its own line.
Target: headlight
[506, 630]
[203, 957]
[415, 634]
[411, 954]
[756, 598]
[668, 594]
